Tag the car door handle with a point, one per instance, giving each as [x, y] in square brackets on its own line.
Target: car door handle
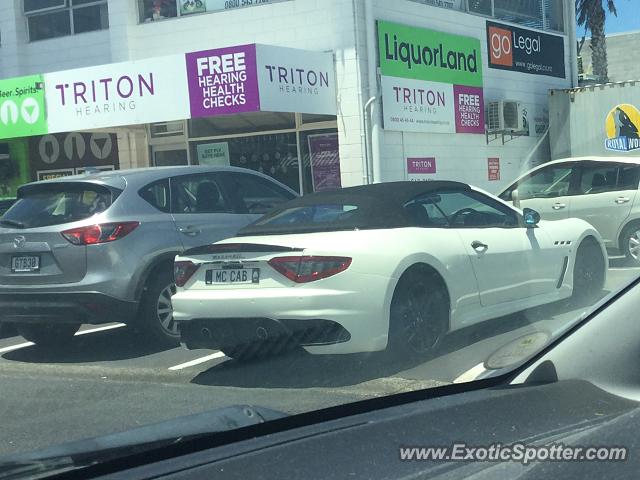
[479, 246]
[621, 200]
[559, 206]
[191, 230]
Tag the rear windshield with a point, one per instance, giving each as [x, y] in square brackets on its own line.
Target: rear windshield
[312, 214]
[54, 204]
[307, 218]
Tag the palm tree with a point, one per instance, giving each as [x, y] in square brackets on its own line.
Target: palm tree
[592, 14]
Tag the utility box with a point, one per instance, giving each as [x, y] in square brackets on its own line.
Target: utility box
[601, 120]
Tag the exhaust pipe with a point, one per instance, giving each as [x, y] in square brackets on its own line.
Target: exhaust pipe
[262, 333]
[206, 333]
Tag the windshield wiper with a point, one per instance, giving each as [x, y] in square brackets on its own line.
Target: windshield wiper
[85, 453]
[12, 223]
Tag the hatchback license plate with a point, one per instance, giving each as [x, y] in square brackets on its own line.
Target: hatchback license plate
[236, 276]
[25, 264]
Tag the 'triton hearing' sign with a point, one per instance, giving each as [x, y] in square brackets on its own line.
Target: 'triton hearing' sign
[117, 94]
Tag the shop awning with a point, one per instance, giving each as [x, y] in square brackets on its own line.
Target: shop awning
[223, 81]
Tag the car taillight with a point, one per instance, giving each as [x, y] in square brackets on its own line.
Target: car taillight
[306, 269]
[102, 233]
[183, 271]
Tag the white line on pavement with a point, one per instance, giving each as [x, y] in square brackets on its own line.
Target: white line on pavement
[197, 361]
[471, 374]
[100, 329]
[82, 332]
[15, 347]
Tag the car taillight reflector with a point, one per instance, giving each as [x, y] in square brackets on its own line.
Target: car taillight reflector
[183, 271]
[102, 233]
[304, 269]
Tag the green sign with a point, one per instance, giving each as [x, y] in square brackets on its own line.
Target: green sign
[420, 54]
[22, 110]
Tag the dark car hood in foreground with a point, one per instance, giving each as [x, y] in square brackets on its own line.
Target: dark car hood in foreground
[111, 447]
[367, 445]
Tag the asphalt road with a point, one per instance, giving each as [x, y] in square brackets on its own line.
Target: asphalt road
[109, 379]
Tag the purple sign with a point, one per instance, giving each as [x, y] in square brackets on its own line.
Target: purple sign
[325, 162]
[421, 165]
[469, 108]
[223, 81]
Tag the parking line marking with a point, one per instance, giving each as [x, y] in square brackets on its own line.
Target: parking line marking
[100, 329]
[471, 374]
[198, 361]
[16, 347]
[82, 332]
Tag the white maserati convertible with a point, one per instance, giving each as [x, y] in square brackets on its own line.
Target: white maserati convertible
[392, 265]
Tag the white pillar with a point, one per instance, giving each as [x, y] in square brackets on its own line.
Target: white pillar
[376, 108]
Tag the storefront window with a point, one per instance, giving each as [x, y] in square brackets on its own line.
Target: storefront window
[481, 7]
[320, 160]
[152, 10]
[542, 14]
[88, 19]
[166, 129]
[554, 15]
[275, 155]
[241, 123]
[169, 158]
[58, 18]
[523, 12]
[313, 118]
[449, 4]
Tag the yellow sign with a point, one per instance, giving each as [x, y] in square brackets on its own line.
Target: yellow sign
[622, 127]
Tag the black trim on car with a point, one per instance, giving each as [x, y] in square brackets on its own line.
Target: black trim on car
[219, 249]
[218, 333]
[563, 272]
[168, 257]
[72, 307]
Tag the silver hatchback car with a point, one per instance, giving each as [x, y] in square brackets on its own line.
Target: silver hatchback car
[99, 247]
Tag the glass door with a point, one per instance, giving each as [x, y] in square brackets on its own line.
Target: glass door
[170, 155]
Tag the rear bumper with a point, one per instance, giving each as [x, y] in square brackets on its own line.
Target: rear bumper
[336, 321]
[72, 307]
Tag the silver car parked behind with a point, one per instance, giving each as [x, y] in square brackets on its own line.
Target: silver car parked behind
[99, 247]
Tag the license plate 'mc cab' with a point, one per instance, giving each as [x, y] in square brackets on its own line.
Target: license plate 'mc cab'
[236, 276]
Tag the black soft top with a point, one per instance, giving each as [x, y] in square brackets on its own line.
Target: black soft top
[380, 205]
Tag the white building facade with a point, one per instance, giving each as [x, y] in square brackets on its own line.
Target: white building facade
[346, 91]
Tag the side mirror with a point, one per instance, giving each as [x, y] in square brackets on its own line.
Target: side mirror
[515, 198]
[531, 217]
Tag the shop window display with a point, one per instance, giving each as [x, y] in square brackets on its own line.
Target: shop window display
[274, 155]
[153, 10]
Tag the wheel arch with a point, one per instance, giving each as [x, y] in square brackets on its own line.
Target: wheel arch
[623, 230]
[160, 262]
[418, 261]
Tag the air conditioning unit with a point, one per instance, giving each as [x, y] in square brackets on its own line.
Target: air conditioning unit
[505, 116]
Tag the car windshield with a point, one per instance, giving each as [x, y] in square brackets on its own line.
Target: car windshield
[291, 205]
